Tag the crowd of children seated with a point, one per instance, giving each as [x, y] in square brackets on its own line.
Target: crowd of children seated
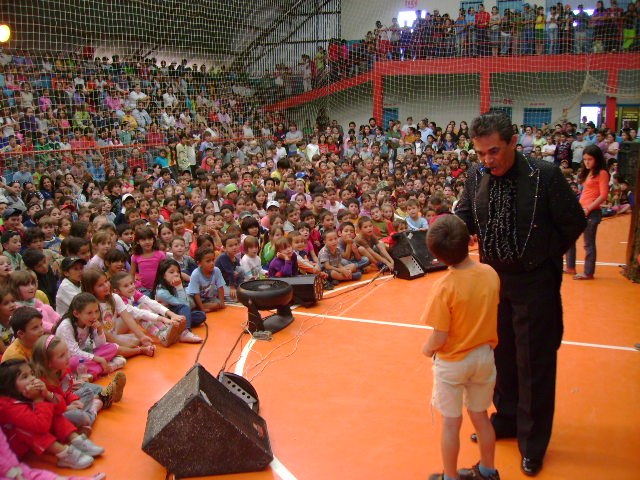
[96, 269]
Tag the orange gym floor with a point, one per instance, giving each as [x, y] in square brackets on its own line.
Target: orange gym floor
[345, 389]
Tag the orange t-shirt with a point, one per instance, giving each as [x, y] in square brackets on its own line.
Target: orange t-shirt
[464, 303]
[593, 187]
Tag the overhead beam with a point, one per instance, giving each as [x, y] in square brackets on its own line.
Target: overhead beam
[284, 40]
[271, 28]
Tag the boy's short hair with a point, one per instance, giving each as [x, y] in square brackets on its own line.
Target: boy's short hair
[202, 252]
[8, 236]
[21, 318]
[327, 232]
[32, 235]
[123, 227]
[227, 206]
[346, 224]
[306, 214]
[46, 221]
[412, 203]
[177, 238]
[32, 257]
[115, 255]
[448, 239]
[227, 237]
[362, 221]
[176, 217]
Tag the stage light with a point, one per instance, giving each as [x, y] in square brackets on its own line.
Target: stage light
[5, 33]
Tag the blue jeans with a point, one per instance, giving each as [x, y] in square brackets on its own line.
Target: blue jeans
[194, 317]
[589, 235]
[528, 47]
[86, 416]
[362, 263]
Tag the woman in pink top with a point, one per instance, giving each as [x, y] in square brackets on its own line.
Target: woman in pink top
[595, 189]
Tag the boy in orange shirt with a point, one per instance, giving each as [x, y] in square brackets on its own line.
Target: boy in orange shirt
[463, 311]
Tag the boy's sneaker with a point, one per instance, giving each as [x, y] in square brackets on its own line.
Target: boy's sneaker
[170, 334]
[327, 285]
[474, 473]
[71, 457]
[113, 392]
[85, 445]
[187, 336]
[117, 363]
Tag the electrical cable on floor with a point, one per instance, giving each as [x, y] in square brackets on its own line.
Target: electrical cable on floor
[204, 342]
[300, 333]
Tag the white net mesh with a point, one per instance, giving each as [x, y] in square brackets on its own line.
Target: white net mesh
[230, 66]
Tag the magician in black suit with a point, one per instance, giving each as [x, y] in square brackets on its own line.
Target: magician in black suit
[525, 217]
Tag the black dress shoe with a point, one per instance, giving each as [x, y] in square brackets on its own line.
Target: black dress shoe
[530, 467]
[499, 436]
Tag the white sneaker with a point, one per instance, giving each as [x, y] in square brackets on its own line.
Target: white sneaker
[170, 334]
[85, 445]
[117, 363]
[189, 337]
[71, 457]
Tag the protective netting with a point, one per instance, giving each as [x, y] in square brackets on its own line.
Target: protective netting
[240, 68]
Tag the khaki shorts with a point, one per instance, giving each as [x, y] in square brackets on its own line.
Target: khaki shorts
[471, 380]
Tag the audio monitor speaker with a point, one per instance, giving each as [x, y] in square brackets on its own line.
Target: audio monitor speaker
[307, 289]
[200, 428]
[413, 244]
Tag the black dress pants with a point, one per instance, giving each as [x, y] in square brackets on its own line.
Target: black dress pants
[529, 334]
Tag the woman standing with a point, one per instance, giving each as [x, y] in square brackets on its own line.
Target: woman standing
[595, 189]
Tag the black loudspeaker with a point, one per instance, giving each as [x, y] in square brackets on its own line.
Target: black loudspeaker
[307, 289]
[628, 162]
[200, 428]
[411, 257]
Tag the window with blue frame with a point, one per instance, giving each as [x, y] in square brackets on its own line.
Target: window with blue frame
[471, 3]
[510, 4]
[537, 116]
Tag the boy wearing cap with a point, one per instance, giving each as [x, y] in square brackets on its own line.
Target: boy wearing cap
[71, 268]
[231, 194]
[12, 221]
[273, 209]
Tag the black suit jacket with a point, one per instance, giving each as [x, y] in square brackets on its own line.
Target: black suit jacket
[549, 217]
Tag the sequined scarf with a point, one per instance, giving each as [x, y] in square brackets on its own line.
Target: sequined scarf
[501, 237]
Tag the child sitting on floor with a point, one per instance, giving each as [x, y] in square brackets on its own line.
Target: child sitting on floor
[31, 418]
[285, 263]
[155, 319]
[333, 263]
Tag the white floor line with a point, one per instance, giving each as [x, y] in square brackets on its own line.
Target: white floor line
[278, 468]
[598, 345]
[243, 357]
[426, 327]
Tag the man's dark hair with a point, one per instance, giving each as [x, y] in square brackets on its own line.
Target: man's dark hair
[493, 122]
[448, 239]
